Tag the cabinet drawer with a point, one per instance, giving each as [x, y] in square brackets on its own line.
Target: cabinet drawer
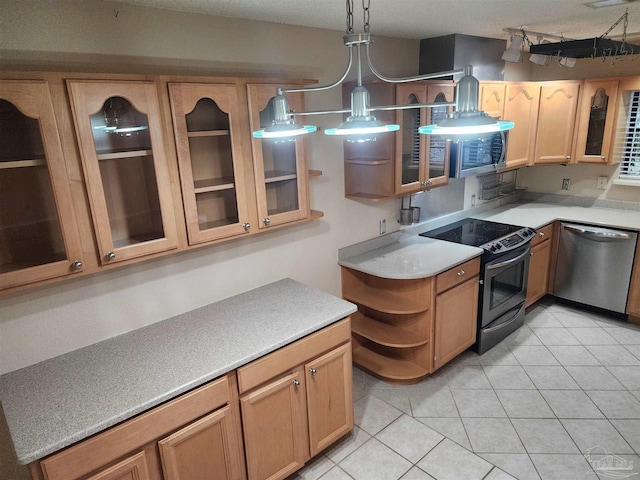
[543, 233]
[282, 360]
[457, 275]
[91, 454]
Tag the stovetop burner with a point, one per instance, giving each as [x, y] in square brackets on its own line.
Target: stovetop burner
[492, 236]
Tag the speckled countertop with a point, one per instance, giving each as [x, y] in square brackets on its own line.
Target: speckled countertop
[60, 401]
[407, 255]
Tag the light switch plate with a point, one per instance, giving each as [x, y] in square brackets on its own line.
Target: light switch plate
[602, 183]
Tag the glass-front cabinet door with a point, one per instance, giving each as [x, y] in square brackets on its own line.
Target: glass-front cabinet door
[422, 161]
[205, 119]
[122, 148]
[280, 167]
[596, 121]
[38, 229]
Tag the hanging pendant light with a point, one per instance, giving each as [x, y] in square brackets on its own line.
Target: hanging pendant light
[361, 125]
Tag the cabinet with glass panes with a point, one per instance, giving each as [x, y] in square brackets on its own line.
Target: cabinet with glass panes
[38, 230]
[212, 170]
[119, 132]
[422, 161]
[279, 166]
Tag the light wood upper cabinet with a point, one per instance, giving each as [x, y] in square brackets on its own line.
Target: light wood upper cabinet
[521, 107]
[596, 121]
[119, 131]
[421, 161]
[206, 121]
[492, 98]
[280, 167]
[39, 236]
[556, 122]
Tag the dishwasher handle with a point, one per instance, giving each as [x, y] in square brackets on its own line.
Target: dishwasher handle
[600, 235]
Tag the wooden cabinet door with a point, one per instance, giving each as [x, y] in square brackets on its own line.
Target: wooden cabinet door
[556, 122]
[131, 468]
[207, 448]
[274, 421]
[538, 277]
[38, 230]
[119, 130]
[521, 107]
[594, 131]
[455, 321]
[212, 168]
[492, 98]
[633, 303]
[437, 147]
[411, 158]
[280, 167]
[329, 397]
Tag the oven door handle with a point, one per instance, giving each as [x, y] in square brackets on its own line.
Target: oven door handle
[507, 262]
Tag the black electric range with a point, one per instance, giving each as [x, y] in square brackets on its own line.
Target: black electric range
[495, 238]
[504, 269]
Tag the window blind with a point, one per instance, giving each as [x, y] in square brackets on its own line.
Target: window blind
[627, 147]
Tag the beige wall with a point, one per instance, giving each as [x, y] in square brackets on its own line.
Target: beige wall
[48, 321]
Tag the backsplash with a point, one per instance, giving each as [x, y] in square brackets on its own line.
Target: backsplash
[569, 200]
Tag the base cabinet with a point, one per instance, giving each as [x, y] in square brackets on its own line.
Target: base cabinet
[305, 405]
[633, 302]
[456, 316]
[539, 265]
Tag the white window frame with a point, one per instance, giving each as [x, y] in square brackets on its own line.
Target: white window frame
[627, 146]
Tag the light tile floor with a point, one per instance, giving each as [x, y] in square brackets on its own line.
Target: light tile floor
[554, 401]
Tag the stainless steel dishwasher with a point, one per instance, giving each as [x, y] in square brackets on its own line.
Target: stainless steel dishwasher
[594, 265]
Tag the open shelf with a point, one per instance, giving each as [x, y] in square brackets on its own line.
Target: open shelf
[315, 214]
[38, 162]
[218, 223]
[368, 161]
[315, 173]
[126, 154]
[367, 196]
[278, 176]
[213, 184]
[384, 300]
[208, 133]
[384, 333]
[387, 368]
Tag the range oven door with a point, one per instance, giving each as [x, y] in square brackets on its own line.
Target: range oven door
[504, 285]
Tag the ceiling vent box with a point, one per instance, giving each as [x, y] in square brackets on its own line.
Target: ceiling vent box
[451, 52]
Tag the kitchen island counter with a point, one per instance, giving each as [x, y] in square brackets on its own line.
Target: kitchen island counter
[52, 404]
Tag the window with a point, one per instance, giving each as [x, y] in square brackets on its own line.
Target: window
[627, 147]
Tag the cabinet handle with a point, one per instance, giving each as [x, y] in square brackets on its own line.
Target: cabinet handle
[266, 221]
[296, 383]
[461, 272]
[246, 226]
[110, 256]
[313, 371]
[77, 265]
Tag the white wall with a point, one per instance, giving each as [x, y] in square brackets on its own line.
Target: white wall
[47, 321]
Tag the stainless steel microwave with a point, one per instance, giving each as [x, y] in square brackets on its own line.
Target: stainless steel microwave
[474, 157]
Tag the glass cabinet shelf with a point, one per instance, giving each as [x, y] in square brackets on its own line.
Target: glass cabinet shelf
[213, 184]
[271, 176]
[208, 133]
[36, 162]
[126, 154]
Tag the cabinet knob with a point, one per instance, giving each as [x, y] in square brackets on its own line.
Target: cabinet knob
[461, 272]
[568, 157]
[531, 254]
[77, 265]
[110, 256]
[266, 221]
[541, 234]
[296, 383]
[428, 182]
[602, 157]
[246, 226]
[313, 371]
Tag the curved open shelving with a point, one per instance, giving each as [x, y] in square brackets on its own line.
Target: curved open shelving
[385, 301]
[384, 333]
[387, 368]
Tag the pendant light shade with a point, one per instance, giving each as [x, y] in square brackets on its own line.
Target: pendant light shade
[283, 124]
[467, 119]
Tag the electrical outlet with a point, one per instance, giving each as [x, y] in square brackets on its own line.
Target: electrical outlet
[566, 183]
[473, 200]
[383, 226]
[602, 183]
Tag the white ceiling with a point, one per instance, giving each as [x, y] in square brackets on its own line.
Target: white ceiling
[425, 18]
